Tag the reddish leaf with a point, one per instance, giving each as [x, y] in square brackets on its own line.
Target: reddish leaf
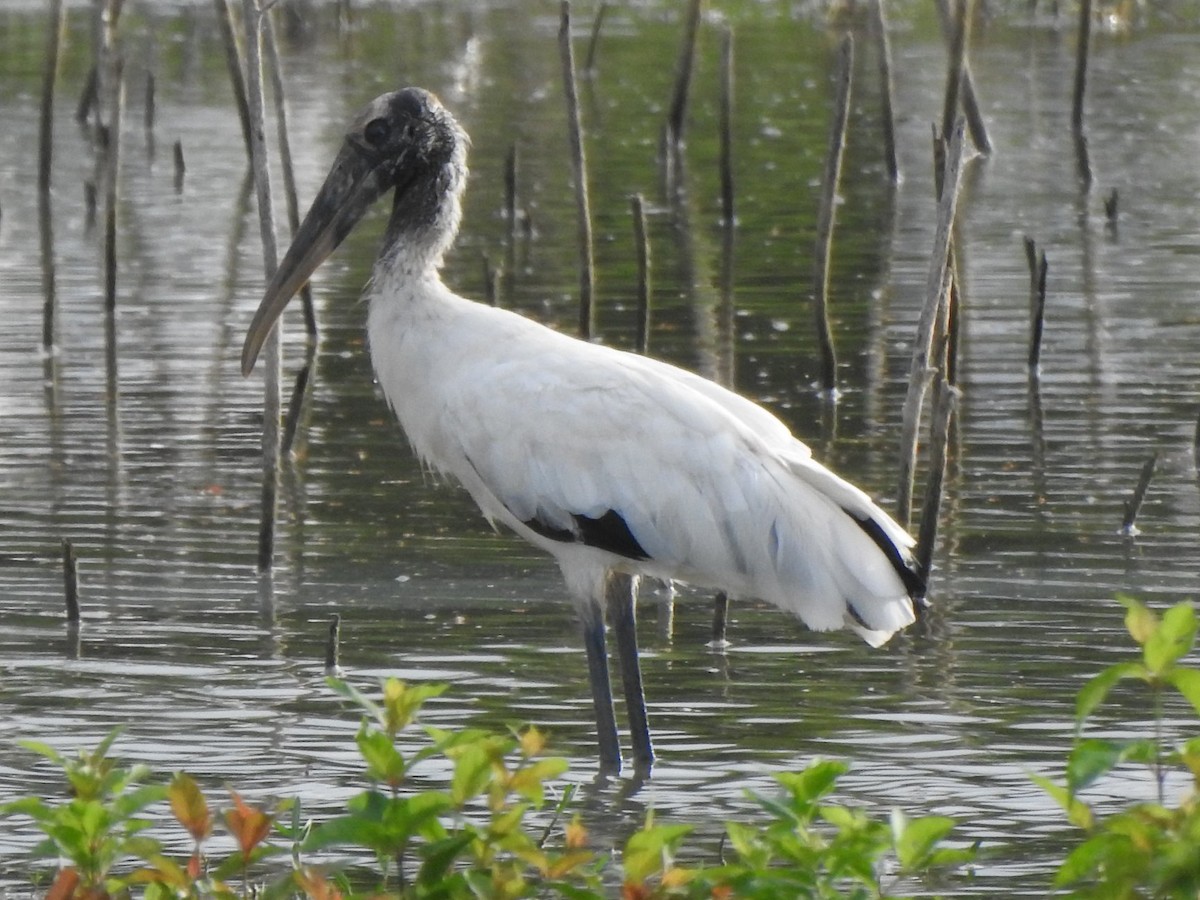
[577, 834]
[194, 867]
[65, 883]
[316, 886]
[248, 825]
[190, 807]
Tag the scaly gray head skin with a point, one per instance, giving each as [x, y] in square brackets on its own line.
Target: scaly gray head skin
[404, 140]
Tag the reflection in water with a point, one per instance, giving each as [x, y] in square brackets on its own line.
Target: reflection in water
[220, 673]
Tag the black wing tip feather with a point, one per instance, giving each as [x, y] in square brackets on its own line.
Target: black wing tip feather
[607, 532]
[913, 581]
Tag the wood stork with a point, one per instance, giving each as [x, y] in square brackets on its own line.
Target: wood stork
[616, 464]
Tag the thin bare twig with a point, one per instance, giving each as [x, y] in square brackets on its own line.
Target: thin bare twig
[1082, 161]
[587, 278]
[112, 180]
[642, 247]
[1134, 504]
[944, 406]
[331, 647]
[827, 213]
[45, 165]
[285, 157]
[1037, 304]
[589, 61]
[726, 125]
[677, 116]
[70, 582]
[233, 62]
[272, 400]
[970, 103]
[879, 29]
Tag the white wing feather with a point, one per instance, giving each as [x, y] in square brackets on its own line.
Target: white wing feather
[715, 489]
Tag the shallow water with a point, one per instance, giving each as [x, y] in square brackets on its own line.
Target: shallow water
[150, 466]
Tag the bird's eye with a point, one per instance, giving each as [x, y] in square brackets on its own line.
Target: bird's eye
[376, 132]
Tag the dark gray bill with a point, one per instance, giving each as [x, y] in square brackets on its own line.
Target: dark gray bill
[356, 180]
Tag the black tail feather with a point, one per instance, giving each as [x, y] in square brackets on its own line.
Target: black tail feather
[901, 562]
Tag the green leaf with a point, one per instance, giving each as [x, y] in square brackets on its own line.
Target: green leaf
[813, 783]
[1086, 860]
[648, 851]
[381, 823]
[105, 745]
[135, 801]
[1144, 751]
[1187, 682]
[1172, 639]
[529, 781]
[348, 831]
[142, 846]
[842, 818]
[746, 839]
[440, 857]
[401, 702]
[1078, 812]
[1140, 621]
[33, 807]
[1189, 755]
[378, 750]
[915, 839]
[233, 864]
[351, 693]
[1092, 694]
[1090, 759]
[44, 750]
[949, 857]
[472, 772]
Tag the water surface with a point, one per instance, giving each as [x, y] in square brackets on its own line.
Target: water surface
[150, 466]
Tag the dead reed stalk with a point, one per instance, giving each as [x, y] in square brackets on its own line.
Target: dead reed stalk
[883, 51]
[1037, 304]
[233, 63]
[272, 351]
[726, 126]
[936, 285]
[1083, 163]
[827, 213]
[677, 114]
[70, 582]
[1134, 504]
[587, 277]
[965, 86]
[285, 157]
[642, 247]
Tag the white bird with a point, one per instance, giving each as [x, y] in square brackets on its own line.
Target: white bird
[616, 464]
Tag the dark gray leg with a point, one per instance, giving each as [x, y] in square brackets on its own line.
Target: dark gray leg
[621, 597]
[592, 617]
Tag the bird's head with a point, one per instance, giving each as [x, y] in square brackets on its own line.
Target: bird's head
[404, 140]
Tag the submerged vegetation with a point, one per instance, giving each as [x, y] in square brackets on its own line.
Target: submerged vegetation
[491, 829]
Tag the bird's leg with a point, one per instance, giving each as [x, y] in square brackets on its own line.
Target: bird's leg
[620, 592]
[592, 616]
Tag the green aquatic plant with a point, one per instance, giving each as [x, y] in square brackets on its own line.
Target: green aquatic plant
[472, 837]
[98, 826]
[809, 847]
[1152, 848]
